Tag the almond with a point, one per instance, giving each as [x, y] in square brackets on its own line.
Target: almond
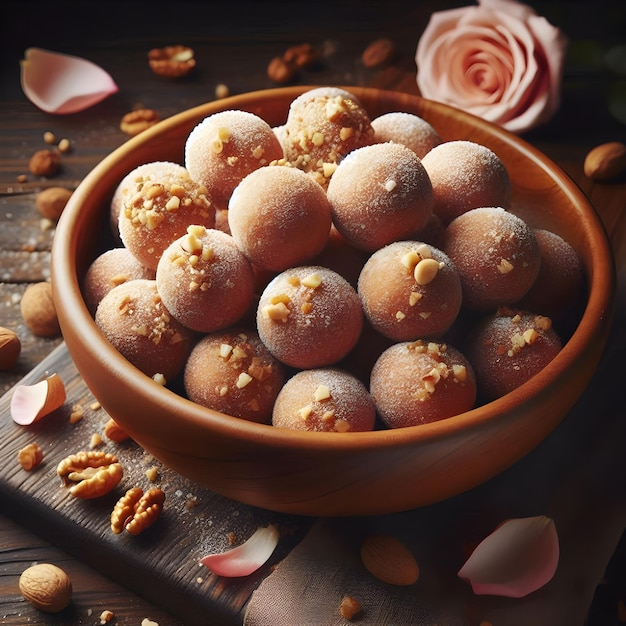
[606, 162]
[46, 587]
[389, 560]
[10, 348]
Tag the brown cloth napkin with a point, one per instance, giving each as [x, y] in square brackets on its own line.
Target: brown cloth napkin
[577, 476]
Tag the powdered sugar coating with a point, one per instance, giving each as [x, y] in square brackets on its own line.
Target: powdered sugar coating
[158, 209]
[509, 347]
[559, 284]
[232, 372]
[111, 268]
[466, 175]
[379, 194]
[404, 302]
[407, 129]
[279, 217]
[324, 400]
[419, 382]
[496, 254]
[309, 316]
[204, 280]
[129, 184]
[322, 127]
[225, 147]
[135, 321]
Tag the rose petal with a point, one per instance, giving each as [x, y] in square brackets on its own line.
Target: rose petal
[246, 558]
[519, 557]
[62, 83]
[30, 403]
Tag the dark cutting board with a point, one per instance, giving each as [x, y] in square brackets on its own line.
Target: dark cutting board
[160, 564]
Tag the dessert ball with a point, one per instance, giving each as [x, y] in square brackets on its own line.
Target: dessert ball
[508, 347]
[466, 175]
[420, 382]
[109, 269]
[204, 280]
[408, 129]
[410, 290]
[279, 217]
[496, 254]
[135, 321]
[322, 127]
[225, 147]
[324, 400]
[560, 282]
[232, 372]
[309, 316]
[379, 194]
[136, 178]
[157, 210]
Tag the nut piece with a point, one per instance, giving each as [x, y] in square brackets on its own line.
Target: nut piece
[51, 201]
[114, 432]
[172, 61]
[91, 474]
[349, 607]
[137, 121]
[606, 162]
[44, 163]
[38, 310]
[379, 52]
[30, 456]
[10, 348]
[280, 71]
[300, 56]
[135, 510]
[389, 560]
[47, 587]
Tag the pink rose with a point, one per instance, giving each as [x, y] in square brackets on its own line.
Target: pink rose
[498, 60]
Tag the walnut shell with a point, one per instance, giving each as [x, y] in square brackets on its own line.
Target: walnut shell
[47, 587]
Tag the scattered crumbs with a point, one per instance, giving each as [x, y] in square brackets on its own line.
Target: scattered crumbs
[77, 414]
[199, 580]
[148, 622]
[152, 473]
[95, 406]
[231, 538]
[95, 441]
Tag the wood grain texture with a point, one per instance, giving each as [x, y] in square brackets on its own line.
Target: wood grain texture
[160, 564]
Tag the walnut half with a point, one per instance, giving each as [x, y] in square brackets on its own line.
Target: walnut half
[135, 510]
[90, 474]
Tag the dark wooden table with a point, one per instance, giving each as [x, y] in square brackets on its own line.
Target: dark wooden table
[234, 43]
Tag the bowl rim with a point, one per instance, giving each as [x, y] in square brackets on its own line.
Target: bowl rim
[599, 305]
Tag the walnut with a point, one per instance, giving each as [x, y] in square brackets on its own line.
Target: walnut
[114, 432]
[90, 474]
[137, 121]
[378, 53]
[172, 61]
[30, 456]
[135, 510]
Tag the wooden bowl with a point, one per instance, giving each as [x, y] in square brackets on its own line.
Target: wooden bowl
[316, 473]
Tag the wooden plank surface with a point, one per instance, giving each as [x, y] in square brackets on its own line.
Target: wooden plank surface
[161, 563]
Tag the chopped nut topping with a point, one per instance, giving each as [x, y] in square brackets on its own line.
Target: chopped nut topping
[414, 298]
[400, 315]
[243, 380]
[321, 393]
[313, 281]
[345, 133]
[305, 412]
[426, 271]
[277, 312]
[505, 266]
[390, 185]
